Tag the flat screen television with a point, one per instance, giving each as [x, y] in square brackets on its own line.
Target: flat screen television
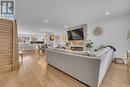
[76, 34]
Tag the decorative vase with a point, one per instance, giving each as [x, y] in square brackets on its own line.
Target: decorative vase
[88, 50]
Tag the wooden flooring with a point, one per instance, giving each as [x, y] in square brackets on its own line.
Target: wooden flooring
[34, 72]
[117, 76]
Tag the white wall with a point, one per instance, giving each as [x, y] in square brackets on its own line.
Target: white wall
[114, 33]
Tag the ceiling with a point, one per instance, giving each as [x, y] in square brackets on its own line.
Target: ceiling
[32, 13]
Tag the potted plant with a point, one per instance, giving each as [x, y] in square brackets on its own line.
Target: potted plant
[89, 45]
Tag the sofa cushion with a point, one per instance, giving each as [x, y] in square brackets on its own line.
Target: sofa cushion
[102, 51]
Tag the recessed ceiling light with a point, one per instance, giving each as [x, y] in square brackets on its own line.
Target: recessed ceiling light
[65, 27]
[107, 13]
[46, 21]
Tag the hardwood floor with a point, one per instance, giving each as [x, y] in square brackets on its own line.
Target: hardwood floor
[117, 76]
[34, 72]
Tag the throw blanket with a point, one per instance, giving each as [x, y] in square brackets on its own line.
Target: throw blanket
[114, 49]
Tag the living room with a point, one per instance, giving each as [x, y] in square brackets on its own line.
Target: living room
[69, 43]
